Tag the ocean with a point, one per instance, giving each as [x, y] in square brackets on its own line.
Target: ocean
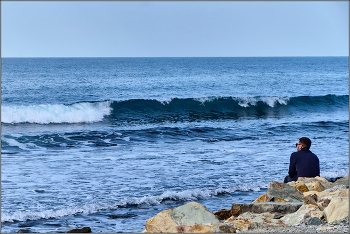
[108, 143]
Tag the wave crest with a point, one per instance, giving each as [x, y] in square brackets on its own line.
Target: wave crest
[172, 109]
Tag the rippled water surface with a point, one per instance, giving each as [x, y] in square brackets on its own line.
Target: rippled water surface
[110, 142]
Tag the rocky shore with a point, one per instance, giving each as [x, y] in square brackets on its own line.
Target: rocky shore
[309, 205]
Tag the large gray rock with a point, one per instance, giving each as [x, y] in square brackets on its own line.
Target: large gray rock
[263, 207]
[189, 218]
[283, 192]
[193, 213]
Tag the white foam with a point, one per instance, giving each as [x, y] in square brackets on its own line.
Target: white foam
[46, 214]
[23, 146]
[164, 101]
[245, 102]
[186, 195]
[191, 195]
[252, 101]
[13, 142]
[334, 174]
[57, 113]
[126, 138]
[271, 101]
[202, 100]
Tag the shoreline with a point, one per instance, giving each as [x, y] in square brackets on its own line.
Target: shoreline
[309, 205]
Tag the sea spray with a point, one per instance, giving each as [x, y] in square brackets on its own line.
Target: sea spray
[84, 112]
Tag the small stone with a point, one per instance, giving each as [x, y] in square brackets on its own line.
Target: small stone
[317, 214]
[23, 231]
[313, 221]
[82, 230]
[325, 228]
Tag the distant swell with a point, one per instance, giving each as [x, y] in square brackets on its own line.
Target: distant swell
[173, 110]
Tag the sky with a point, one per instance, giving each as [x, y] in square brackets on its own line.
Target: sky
[174, 29]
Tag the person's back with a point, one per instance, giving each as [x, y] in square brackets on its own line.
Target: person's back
[303, 163]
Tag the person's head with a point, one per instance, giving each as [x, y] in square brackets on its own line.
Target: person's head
[304, 142]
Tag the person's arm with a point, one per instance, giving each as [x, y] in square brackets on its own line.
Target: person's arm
[292, 169]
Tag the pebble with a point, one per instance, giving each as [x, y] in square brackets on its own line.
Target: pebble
[341, 226]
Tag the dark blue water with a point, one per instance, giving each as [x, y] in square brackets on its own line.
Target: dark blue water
[110, 142]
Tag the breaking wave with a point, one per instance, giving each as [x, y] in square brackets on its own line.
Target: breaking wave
[174, 110]
[84, 112]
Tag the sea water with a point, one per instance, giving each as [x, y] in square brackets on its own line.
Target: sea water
[110, 142]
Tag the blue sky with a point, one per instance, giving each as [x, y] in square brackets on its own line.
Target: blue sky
[174, 29]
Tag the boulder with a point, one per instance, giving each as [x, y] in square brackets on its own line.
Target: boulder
[193, 213]
[301, 187]
[241, 224]
[249, 220]
[308, 181]
[299, 217]
[326, 194]
[336, 187]
[223, 214]
[189, 218]
[201, 228]
[337, 209]
[196, 228]
[263, 207]
[262, 198]
[161, 223]
[312, 199]
[224, 228]
[283, 192]
[317, 186]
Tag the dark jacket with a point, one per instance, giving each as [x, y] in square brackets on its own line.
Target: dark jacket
[303, 163]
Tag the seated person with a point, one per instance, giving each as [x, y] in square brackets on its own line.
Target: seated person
[303, 163]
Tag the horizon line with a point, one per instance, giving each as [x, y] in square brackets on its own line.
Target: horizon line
[281, 56]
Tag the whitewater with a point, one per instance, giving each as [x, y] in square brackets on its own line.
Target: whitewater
[110, 142]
